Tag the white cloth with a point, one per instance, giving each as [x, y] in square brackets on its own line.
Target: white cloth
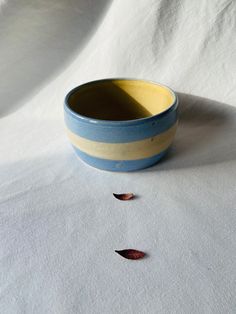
[59, 223]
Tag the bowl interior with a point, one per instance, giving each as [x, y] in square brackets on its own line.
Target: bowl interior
[119, 100]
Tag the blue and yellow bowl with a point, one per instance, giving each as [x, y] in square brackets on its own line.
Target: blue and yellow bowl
[121, 124]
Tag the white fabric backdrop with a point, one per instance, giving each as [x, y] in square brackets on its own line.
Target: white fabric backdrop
[59, 223]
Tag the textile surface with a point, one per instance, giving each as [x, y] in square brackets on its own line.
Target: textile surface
[59, 222]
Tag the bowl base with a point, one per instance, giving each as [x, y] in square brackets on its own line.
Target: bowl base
[119, 165]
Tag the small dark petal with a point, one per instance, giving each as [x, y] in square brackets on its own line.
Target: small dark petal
[131, 254]
[124, 196]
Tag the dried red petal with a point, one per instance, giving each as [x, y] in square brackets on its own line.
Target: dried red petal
[131, 254]
[124, 196]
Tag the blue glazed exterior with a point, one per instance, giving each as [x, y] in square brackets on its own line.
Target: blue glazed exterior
[134, 130]
[92, 139]
[117, 165]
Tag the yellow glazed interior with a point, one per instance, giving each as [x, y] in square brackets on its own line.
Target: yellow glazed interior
[120, 99]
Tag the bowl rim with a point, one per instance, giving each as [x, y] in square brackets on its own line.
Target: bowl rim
[86, 119]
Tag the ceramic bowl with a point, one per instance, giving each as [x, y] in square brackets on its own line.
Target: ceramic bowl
[121, 124]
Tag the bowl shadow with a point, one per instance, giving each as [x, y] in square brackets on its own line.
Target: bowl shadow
[206, 134]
